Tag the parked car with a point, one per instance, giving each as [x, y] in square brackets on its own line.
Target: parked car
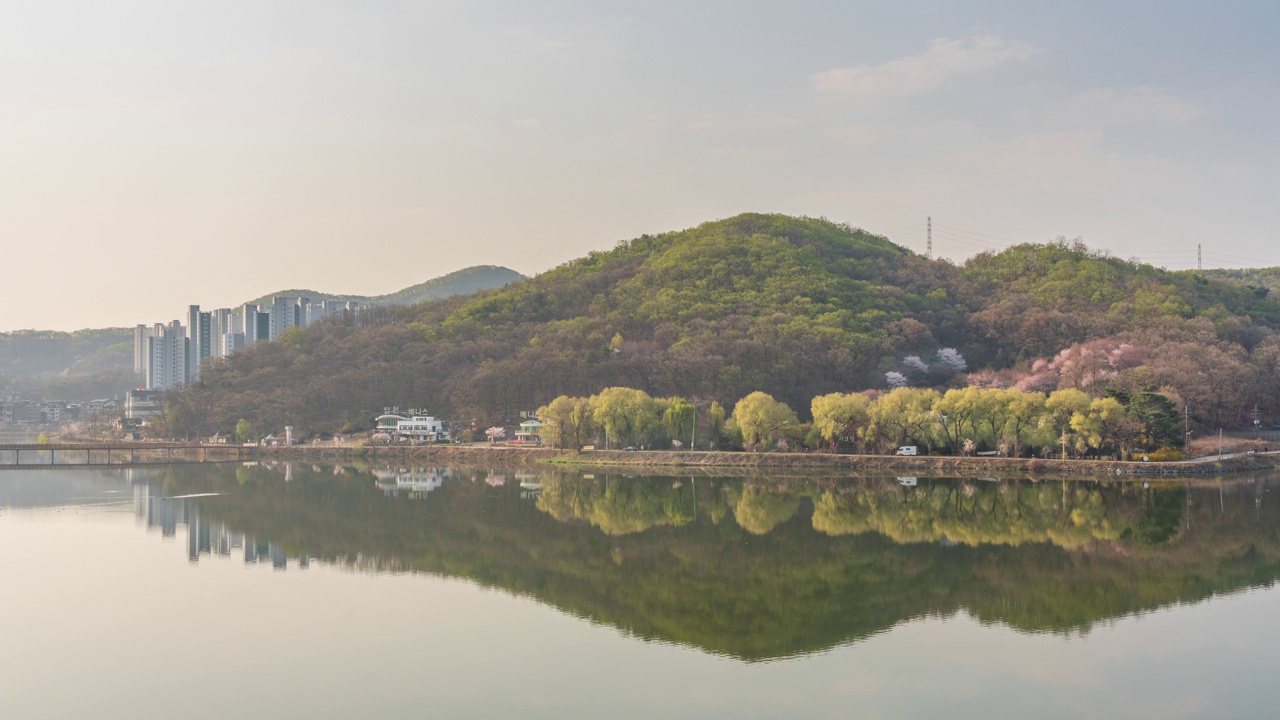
[629, 448]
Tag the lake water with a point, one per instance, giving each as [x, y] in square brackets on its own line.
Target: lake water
[306, 591]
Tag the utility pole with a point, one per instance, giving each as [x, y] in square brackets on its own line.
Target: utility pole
[1199, 257]
[1219, 443]
[929, 234]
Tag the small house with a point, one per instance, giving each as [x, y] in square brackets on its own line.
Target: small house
[530, 433]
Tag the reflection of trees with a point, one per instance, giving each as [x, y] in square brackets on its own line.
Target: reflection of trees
[759, 508]
[621, 506]
[976, 513]
[1035, 556]
[616, 506]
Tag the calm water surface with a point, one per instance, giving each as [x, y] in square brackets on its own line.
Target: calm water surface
[317, 592]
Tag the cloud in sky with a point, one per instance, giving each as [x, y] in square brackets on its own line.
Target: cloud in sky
[250, 130]
[1130, 105]
[945, 58]
[854, 134]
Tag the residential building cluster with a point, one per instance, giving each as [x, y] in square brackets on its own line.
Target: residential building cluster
[170, 355]
[30, 413]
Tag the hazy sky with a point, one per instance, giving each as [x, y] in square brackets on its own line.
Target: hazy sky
[158, 154]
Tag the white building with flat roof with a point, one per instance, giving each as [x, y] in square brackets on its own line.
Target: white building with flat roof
[423, 428]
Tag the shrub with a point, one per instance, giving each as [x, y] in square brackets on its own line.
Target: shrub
[1165, 454]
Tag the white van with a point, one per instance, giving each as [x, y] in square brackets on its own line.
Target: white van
[907, 450]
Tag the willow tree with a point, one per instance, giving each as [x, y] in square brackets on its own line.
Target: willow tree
[760, 417]
[624, 414]
[1062, 406]
[904, 414]
[678, 419]
[566, 421]
[1026, 409]
[840, 416]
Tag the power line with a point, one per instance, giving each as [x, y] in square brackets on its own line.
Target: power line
[972, 238]
[986, 242]
[969, 242]
[1006, 241]
[902, 228]
[1235, 257]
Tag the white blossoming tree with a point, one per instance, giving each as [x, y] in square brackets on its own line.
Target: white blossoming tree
[952, 359]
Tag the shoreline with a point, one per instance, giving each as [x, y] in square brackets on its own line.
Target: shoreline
[743, 460]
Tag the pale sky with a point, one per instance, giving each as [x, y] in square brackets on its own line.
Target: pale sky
[159, 154]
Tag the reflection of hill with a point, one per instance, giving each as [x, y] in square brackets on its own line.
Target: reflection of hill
[818, 565]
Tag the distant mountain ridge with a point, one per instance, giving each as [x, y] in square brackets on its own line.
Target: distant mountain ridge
[57, 356]
[459, 282]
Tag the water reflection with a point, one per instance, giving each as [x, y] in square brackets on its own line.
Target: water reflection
[754, 568]
[157, 511]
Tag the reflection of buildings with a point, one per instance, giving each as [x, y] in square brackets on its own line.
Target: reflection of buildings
[416, 482]
[204, 537]
[530, 488]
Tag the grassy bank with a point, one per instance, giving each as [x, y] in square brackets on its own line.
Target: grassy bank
[921, 465]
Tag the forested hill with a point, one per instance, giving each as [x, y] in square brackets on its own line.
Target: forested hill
[459, 282]
[1268, 278]
[83, 352]
[795, 307]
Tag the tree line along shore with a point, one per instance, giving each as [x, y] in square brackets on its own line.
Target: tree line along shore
[967, 421]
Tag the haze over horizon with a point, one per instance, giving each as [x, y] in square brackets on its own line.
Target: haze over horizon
[160, 155]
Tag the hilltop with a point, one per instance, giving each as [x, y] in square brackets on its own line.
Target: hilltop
[459, 282]
[796, 307]
[1264, 278]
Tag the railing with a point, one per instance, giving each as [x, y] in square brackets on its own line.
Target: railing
[28, 455]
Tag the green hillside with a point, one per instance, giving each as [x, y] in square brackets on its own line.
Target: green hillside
[1039, 299]
[795, 307]
[1267, 278]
